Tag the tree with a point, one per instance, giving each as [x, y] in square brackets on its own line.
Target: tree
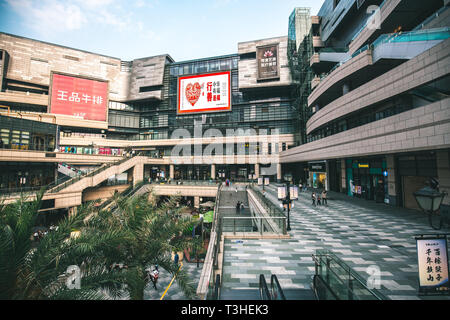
[40, 272]
[137, 234]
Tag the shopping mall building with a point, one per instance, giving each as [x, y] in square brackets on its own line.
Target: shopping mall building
[354, 100]
[379, 76]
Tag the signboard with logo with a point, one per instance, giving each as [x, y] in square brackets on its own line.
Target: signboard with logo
[432, 257]
[266, 181]
[76, 96]
[260, 181]
[268, 62]
[204, 93]
[317, 167]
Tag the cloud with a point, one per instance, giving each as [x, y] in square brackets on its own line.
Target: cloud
[49, 15]
[57, 16]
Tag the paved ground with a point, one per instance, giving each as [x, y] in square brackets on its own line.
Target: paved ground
[362, 233]
[174, 292]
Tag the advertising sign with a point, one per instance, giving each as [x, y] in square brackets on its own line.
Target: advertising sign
[266, 181]
[268, 63]
[260, 181]
[433, 264]
[204, 93]
[293, 192]
[80, 97]
[281, 193]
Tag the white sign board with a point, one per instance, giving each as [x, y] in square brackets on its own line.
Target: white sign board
[204, 93]
[433, 264]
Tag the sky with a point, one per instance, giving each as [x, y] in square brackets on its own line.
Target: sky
[132, 29]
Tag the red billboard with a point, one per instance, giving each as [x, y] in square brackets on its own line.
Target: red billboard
[80, 97]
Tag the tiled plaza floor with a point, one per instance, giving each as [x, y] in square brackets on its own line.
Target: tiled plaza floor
[363, 234]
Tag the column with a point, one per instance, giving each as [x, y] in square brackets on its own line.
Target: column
[391, 180]
[343, 187]
[443, 170]
[278, 171]
[172, 171]
[345, 88]
[138, 173]
[257, 170]
[213, 171]
[73, 211]
[197, 202]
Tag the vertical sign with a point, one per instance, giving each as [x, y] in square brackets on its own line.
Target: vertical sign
[293, 192]
[281, 192]
[268, 62]
[266, 181]
[260, 181]
[433, 264]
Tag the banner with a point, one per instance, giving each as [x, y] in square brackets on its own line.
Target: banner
[204, 93]
[268, 63]
[80, 97]
[433, 264]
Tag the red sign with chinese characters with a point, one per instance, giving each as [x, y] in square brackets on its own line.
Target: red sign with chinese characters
[79, 97]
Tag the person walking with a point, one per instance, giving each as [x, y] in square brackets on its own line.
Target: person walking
[238, 207]
[300, 187]
[313, 198]
[154, 275]
[242, 207]
[176, 258]
[324, 197]
[318, 200]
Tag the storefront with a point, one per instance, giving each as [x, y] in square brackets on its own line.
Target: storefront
[367, 179]
[317, 174]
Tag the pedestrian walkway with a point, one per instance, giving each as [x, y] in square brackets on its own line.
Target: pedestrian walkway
[367, 236]
[174, 292]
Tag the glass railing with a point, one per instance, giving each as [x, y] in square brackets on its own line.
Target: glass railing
[338, 281]
[368, 20]
[254, 225]
[419, 35]
[264, 292]
[275, 289]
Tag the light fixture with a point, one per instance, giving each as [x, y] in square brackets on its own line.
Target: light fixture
[430, 200]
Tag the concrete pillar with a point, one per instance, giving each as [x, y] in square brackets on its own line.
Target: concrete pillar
[73, 211]
[443, 170]
[197, 202]
[278, 171]
[213, 171]
[391, 179]
[257, 170]
[138, 173]
[172, 171]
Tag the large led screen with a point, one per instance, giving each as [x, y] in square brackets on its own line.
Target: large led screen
[204, 93]
[80, 97]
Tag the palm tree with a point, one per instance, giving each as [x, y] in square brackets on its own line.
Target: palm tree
[154, 232]
[137, 234]
[40, 272]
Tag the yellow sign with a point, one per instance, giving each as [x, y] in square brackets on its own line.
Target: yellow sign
[363, 165]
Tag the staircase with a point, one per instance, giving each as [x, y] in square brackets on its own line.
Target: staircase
[229, 197]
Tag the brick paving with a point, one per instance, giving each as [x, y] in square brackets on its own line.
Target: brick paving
[361, 233]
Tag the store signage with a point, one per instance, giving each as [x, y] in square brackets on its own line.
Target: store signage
[432, 256]
[268, 63]
[204, 93]
[80, 97]
[293, 192]
[281, 193]
[318, 167]
[363, 165]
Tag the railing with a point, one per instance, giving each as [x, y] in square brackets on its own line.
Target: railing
[369, 19]
[255, 225]
[418, 35]
[276, 291]
[342, 282]
[216, 294]
[57, 187]
[264, 292]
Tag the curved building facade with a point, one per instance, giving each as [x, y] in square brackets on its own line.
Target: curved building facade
[380, 124]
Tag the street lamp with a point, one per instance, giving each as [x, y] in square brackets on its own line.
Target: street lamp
[287, 194]
[430, 200]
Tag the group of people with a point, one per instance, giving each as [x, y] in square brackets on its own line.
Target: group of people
[39, 234]
[319, 199]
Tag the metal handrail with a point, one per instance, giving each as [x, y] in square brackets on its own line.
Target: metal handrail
[264, 292]
[277, 291]
[352, 275]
